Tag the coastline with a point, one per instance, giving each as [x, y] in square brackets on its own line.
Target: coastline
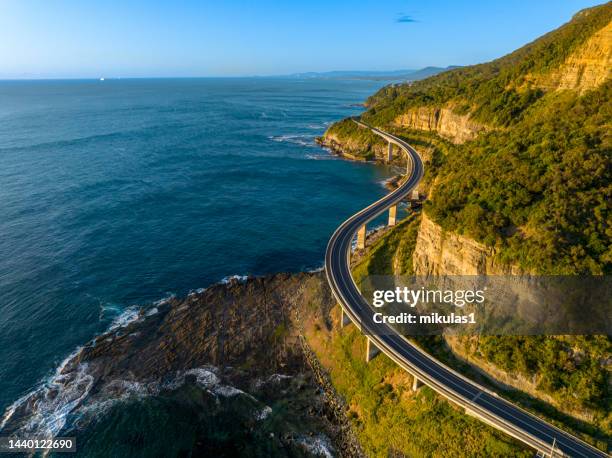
[161, 349]
[85, 382]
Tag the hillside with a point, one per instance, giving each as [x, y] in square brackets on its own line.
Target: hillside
[518, 148]
[517, 157]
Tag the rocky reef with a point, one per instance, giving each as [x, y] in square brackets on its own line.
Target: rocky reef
[229, 360]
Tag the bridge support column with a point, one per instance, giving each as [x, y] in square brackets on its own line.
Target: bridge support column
[371, 350]
[361, 237]
[392, 215]
[416, 384]
[344, 318]
[389, 152]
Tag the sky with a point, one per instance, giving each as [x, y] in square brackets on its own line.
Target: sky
[186, 38]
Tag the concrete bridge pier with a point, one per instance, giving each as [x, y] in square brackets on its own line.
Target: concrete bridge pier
[416, 383]
[344, 318]
[361, 237]
[392, 215]
[389, 152]
[371, 350]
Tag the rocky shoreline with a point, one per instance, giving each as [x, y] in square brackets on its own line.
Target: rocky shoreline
[339, 150]
[239, 340]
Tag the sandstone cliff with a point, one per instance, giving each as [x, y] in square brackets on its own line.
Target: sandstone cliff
[586, 68]
[439, 252]
[444, 121]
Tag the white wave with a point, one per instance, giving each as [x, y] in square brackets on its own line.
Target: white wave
[263, 413]
[61, 393]
[197, 291]
[386, 181]
[129, 315]
[10, 411]
[122, 390]
[109, 309]
[296, 139]
[228, 391]
[54, 400]
[277, 378]
[65, 394]
[318, 445]
[318, 126]
[316, 269]
[273, 379]
[165, 300]
[238, 278]
[321, 157]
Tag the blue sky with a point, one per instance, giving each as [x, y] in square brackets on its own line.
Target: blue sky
[140, 38]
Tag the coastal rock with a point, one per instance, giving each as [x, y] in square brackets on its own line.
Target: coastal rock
[351, 148]
[229, 357]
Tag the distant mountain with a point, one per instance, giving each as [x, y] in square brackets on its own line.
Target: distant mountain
[391, 75]
[427, 72]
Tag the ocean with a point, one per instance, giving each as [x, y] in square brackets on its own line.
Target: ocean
[123, 192]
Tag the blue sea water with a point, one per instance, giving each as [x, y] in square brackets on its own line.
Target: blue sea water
[123, 192]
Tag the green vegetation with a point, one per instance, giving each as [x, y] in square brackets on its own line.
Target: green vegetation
[560, 356]
[536, 186]
[567, 367]
[395, 245]
[359, 142]
[540, 191]
[388, 418]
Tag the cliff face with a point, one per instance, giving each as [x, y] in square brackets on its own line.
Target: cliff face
[444, 121]
[439, 252]
[586, 68]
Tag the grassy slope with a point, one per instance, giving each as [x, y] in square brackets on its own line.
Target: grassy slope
[388, 418]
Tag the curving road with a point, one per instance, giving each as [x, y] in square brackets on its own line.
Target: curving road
[477, 400]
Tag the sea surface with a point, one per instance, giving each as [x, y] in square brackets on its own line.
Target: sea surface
[122, 192]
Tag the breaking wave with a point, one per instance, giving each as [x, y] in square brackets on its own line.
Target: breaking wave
[44, 411]
[238, 278]
[52, 402]
[321, 157]
[296, 139]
